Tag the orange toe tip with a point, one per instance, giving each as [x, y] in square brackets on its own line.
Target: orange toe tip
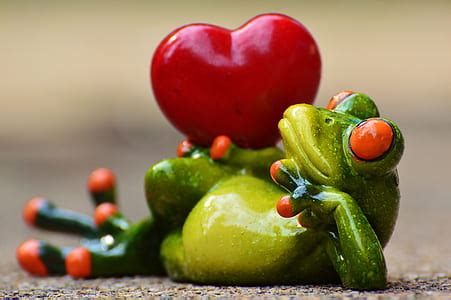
[183, 148]
[101, 180]
[301, 221]
[284, 207]
[220, 147]
[27, 255]
[275, 167]
[31, 209]
[103, 212]
[78, 263]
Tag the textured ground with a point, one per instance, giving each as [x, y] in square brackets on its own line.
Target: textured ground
[16, 285]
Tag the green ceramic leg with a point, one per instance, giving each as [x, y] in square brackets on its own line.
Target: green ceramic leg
[174, 186]
[354, 248]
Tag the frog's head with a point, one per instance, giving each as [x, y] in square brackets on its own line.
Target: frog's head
[342, 144]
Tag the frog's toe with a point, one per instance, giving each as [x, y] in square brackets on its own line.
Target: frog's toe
[281, 173]
[184, 148]
[102, 186]
[78, 263]
[308, 219]
[104, 211]
[286, 207]
[220, 147]
[32, 208]
[40, 258]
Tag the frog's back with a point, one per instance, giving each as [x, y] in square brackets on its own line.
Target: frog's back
[235, 236]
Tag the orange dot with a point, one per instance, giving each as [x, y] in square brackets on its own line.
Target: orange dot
[78, 263]
[183, 148]
[31, 209]
[284, 207]
[220, 146]
[335, 100]
[28, 257]
[275, 167]
[103, 212]
[101, 180]
[371, 139]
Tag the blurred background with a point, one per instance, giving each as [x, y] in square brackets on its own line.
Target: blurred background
[75, 95]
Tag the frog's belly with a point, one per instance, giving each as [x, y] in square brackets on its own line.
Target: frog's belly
[234, 235]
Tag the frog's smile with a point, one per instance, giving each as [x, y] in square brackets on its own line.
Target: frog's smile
[298, 130]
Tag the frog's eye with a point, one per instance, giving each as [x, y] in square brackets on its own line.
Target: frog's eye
[371, 139]
[335, 100]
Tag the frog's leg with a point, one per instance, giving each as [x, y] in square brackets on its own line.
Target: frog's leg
[174, 186]
[351, 242]
[173, 256]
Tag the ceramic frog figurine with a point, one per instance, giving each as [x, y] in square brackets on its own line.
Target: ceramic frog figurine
[320, 212]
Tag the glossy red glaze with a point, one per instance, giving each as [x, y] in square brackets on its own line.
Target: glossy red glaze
[210, 81]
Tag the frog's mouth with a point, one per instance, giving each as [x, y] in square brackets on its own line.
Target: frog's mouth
[300, 129]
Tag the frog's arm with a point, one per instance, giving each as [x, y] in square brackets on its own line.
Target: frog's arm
[353, 246]
[225, 152]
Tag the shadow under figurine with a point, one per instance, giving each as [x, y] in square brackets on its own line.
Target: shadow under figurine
[321, 212]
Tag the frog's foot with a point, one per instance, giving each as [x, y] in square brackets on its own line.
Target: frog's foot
[107, 223]
[41, 259]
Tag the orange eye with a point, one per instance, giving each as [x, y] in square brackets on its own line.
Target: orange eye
[335, 100]
[371, 139]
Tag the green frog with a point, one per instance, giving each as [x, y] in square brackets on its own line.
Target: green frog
[320, 211]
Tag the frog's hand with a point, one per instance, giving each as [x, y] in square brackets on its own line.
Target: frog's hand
[353, 248]
[257, 161]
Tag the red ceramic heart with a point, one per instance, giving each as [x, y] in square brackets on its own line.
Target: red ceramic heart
[210, 81]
